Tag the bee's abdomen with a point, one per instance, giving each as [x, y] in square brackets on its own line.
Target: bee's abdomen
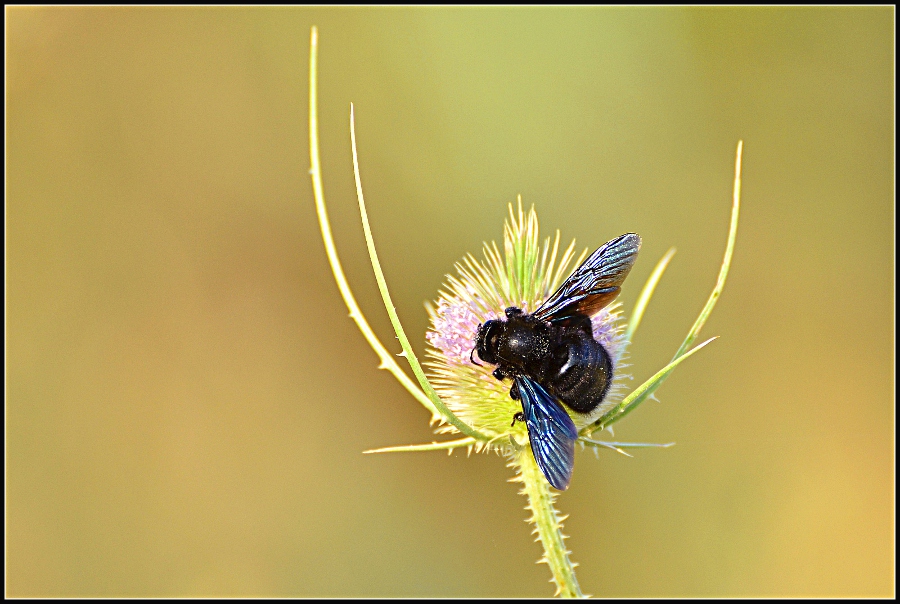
[584, 379]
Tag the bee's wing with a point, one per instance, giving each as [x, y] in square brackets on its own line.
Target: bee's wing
[551, 431]
[595, 283]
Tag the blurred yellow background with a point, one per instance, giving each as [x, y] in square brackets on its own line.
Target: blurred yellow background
[187, 401]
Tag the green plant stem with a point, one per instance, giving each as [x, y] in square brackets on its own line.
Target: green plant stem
[548, 524]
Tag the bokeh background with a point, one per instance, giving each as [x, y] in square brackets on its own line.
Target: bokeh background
[187, 400]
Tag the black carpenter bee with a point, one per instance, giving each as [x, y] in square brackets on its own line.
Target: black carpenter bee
[553, 358]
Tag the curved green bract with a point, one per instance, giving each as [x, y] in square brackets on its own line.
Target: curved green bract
[392, 312]
[639, 395]
[315, 171]
[446, 445]
[726, 261]
[646, 294]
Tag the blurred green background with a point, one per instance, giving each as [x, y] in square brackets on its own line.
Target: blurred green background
[188, 401]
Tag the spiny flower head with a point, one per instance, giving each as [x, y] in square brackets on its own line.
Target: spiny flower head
[525, 274]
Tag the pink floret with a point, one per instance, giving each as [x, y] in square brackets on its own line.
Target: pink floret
[454, 328]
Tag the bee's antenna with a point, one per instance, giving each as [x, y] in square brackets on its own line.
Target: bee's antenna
[472, 358]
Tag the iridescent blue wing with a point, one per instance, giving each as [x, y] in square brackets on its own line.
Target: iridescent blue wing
[595, 283]
[551, 432]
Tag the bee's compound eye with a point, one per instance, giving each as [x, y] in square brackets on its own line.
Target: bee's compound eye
[491, 331]
[486, 344]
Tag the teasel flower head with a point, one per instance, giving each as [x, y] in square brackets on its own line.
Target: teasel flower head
[523, 274]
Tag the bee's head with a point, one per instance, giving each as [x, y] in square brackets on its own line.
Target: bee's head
[487, 340]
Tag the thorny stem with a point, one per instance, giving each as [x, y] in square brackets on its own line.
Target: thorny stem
[547, 522]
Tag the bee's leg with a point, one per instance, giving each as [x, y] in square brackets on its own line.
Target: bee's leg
[518, 417]
[515, 395]
[499, 374]
[512, 311]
